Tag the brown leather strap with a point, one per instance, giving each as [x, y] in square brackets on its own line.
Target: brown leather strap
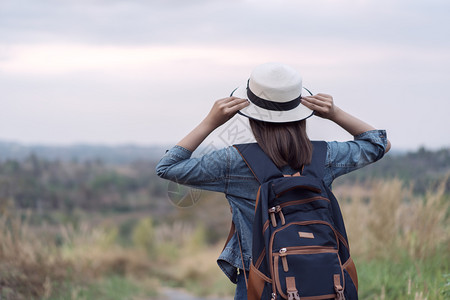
[337, 281]
[291, 289]
[242, 259]
[230, 234]
[290, 284]
[338, 287]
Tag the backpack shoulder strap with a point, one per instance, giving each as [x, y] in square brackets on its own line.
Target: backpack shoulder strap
[259, 163]
[317, 166]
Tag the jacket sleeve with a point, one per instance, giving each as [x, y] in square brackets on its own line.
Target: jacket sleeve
[207, 172]
[344, 157]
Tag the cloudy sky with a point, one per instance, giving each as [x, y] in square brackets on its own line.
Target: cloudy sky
[146, 72]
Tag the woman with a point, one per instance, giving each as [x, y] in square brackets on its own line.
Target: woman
[275, 103]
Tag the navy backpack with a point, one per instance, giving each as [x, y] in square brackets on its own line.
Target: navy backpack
[300, 248]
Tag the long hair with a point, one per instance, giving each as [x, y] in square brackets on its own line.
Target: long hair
[284, 143]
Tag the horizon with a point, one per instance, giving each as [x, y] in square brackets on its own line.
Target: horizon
[203, 146]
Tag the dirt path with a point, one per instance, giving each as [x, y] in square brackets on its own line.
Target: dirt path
[177, 294]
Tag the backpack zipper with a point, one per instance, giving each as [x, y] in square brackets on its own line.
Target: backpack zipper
[303, 201]
[283, 252]
[273, 211]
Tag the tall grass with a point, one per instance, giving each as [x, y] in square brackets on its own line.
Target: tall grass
[84, 260]
[34, 265]
[392, 220]
[185, 259]
[29, 263]
[400, 242]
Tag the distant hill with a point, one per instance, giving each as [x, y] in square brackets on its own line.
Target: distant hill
[107, 154]
[424, 169]
[123, 178]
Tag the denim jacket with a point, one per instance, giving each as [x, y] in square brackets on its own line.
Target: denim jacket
[225, 171]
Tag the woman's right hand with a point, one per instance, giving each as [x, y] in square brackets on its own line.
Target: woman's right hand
[223, 110]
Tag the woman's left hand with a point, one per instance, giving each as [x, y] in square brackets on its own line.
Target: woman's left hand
[322, 105]
[223, 110]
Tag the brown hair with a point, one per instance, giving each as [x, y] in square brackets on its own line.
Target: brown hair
[284, 143]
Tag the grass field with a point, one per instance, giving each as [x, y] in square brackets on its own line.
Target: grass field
[400, 242]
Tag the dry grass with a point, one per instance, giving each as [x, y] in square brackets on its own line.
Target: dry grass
[401, 241]
[32, 266]
[386, 218]
[198, 272]
[185, 259]
[29, 264]
[385, 222]
[93, 252]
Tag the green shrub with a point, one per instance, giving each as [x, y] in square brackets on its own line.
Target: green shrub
[144, 235]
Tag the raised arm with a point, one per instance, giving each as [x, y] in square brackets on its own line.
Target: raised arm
[222, 110]
[324, 107]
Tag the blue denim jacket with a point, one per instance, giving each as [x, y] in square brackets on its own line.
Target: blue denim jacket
[225, 171]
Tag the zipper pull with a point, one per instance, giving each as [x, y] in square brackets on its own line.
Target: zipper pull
[280, 213]
[274, 296]
[284, 259]
[272, 216]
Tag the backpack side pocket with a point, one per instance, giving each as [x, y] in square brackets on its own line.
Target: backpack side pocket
[350, 267]
[256, 283]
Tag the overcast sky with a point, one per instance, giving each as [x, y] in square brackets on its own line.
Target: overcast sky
[146, 72]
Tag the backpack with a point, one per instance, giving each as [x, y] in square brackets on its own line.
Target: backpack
[300, 248]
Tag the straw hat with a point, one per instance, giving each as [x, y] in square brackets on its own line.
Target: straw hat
[274, 91]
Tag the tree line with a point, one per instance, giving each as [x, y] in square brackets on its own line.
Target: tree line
[422, 169]
[41, 184]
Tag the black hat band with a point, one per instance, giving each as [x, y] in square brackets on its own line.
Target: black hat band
[272, 105]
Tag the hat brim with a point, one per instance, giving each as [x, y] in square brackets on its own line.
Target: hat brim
[253, 111]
